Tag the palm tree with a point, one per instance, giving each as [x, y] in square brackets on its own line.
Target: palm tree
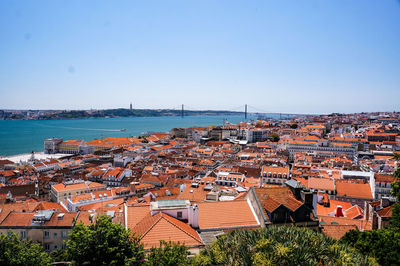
[283, 245]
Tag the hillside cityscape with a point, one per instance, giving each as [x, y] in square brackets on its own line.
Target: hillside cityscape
[204, 133]
[332, 176]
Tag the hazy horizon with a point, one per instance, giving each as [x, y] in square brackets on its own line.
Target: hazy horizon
[314, 57]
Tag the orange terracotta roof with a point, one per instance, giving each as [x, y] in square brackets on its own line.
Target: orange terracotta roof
[354, 190]
[135, 214]
[277, 170]
[282, 195]
[45, 205]
[226, 214]
[161, 226]
[18, 219]
[385, 212]
[84, 185]
[67, 219]
[103, 204]
[302, 181]
[321, 210]
[194, 194]
[84, 217]
[381, 178]
[321, 183]
[361, 223]
[5, 209]
[337, 231]
[355, 212]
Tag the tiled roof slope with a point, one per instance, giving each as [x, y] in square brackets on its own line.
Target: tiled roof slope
[355, 190]
[269, 197]
[226, 214]
[337, 231]
[161, 226]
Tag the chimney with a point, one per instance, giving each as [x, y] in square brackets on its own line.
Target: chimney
[339, 211]
[194, 216]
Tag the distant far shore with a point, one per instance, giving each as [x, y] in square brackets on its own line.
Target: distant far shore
[108, 113]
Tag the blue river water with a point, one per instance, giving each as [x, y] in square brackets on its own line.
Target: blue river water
[24, 136]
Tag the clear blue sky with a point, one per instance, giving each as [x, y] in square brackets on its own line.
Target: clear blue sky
[279, 56]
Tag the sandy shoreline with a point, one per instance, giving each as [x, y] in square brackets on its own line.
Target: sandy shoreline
[26, 156]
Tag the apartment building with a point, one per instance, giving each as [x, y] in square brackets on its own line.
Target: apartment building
[63, 191]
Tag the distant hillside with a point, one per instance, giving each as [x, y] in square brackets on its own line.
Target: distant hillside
[116, 113]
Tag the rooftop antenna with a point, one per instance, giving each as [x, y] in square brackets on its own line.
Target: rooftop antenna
[182, 112]
[245, 111]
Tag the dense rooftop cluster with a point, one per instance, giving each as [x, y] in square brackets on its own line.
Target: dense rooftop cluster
[332, 173]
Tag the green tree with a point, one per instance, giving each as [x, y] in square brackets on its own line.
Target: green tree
[395, 192]
[383, 244]
[168, 254]
[274, 138]
[396, 156]
[104, 243]
[283, 245]
[395, 220]
[14, 251]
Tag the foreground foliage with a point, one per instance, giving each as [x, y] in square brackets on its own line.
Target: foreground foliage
[168, 254]
[279, 246]
[383, 244]
[14, 251]
[103, 243]
[107, 243]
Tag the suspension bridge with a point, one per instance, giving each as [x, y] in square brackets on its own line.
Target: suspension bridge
[245, 110]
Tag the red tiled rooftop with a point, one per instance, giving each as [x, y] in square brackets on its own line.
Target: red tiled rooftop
[226, 214]
[355, 190]
[161, 226]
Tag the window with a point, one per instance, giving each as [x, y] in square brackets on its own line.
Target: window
[179, 214]
[46, 234]
[23, 234]
[64, 234]
[47, 246]
[55, 235]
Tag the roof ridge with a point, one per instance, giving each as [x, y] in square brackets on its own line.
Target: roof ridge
[168, 220]
[6, 216]
[152, 225]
